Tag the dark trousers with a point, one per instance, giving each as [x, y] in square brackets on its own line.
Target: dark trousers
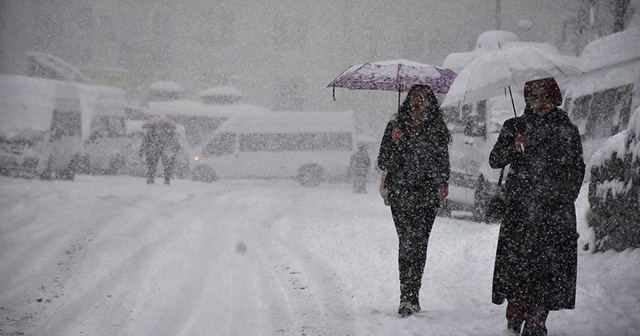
[152, 165]
[360, 183]
[534, 319]
[413, 221]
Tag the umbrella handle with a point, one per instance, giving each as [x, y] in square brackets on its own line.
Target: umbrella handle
[334, 92]
[512, 103]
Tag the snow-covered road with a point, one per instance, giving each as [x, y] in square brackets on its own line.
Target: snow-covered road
[113, 256]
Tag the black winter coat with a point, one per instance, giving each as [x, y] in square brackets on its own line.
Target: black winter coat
[536, 258]
[157, 143]
[417, 164]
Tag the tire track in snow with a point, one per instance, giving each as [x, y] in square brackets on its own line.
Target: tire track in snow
[96, 280]
[304, 297]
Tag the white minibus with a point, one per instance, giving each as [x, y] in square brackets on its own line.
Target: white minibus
[600, 101]
[40, 128]
[312, 147]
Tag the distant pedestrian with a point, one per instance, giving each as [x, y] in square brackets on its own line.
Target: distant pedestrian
[359, 169]
[414, 153]
[160, 143]
[536, 259]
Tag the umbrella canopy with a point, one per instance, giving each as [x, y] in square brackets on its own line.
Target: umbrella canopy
[395, 75]
[494, 73]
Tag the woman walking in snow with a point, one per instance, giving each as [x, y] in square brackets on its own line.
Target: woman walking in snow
[536, 259]
[414, 153]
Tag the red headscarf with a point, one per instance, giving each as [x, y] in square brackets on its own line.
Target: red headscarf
[549, 84]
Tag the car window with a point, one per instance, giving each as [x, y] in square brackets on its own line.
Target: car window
[279, 142]
[66, 123]
[220, 144]
[622, 108]
[580, 113]
[600, 120]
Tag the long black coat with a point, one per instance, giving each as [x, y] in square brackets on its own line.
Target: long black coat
[416, 164]
[536, 258]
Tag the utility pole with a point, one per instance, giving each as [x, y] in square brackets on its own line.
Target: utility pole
[497, 13]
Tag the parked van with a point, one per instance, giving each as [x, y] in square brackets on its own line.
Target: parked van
[105, 137]
[67, 128]
[40, 128]
[311, 147]
[599, 101]
[199, 119]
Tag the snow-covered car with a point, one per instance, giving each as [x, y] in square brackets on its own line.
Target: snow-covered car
[60, 128]
[474, 132]
[103, 110]
[600, 100]
[40, 128]
[614, 190]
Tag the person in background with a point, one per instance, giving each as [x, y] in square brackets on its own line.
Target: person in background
[359, 168]
[536, 259]
[414, 153]
[160, 143]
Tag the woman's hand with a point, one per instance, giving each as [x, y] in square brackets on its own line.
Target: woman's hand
[396, 133]
[519, 143]
[443, 192]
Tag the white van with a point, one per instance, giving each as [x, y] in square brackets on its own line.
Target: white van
[104, 133]
[66, 128]
[599, 101]
[40, 128]
[199, 119]
[310, 146]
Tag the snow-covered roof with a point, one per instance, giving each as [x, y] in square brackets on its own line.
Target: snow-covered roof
[166, 86]
[221, 91]
[457, 61]
[604, 78]
[612, 49]
[495, 39]
[288, 122]
[547, 47]
[194, 108]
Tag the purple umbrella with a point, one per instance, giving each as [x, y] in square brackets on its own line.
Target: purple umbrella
[396, 75]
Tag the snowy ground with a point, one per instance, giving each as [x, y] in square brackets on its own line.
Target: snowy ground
[113, 256]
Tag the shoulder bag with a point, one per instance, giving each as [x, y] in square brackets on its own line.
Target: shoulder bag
[497, 207]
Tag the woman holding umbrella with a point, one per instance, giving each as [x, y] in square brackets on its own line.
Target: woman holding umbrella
[536, 259]
[414, 153]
